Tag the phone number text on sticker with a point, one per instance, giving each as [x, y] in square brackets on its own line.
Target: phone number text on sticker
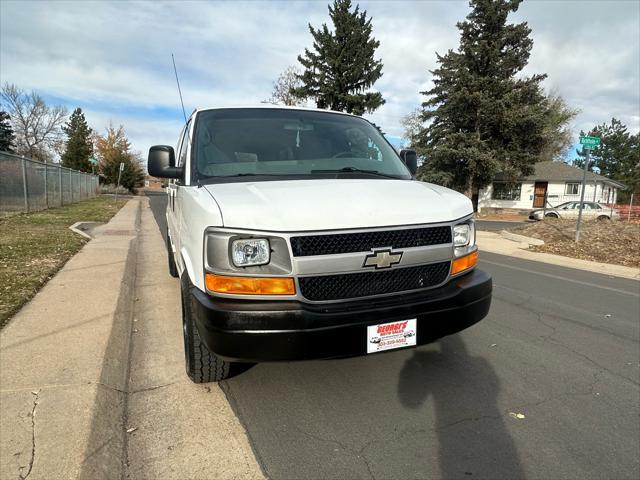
[387, 336]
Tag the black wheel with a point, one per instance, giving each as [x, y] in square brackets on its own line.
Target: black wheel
[603, 218]
[173, 269]
[202, 365]
[551, 215]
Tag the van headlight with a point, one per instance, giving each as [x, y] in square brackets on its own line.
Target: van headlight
[250, 252]
[464, 238]
[462, 235]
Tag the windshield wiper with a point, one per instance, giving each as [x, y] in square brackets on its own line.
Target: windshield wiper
[356, 170]
[252, 175]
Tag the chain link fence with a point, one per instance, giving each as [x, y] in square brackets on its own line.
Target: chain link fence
[27, 185]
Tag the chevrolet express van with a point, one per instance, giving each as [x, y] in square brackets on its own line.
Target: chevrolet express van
[302, 234]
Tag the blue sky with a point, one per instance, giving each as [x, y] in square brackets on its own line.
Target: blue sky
[113, 59]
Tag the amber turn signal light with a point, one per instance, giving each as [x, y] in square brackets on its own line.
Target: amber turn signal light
[464, 263]
[250, 285]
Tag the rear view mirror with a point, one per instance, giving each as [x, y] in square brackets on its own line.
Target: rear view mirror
[299, 126]
[161, 162]
[410, 159]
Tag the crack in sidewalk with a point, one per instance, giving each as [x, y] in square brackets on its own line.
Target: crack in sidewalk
[33, 436]
[140, 390]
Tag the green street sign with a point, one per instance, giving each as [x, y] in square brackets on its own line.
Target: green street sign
[589, 142]
[93, 161]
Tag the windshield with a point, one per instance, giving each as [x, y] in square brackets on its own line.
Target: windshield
[280, 142]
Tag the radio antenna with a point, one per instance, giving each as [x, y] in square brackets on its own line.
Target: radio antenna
[184, 113]
[175, 70]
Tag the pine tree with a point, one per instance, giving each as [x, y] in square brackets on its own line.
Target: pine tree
[485, 117]
[79, 147]
[7, 137]
[342, 66]
[617, 157]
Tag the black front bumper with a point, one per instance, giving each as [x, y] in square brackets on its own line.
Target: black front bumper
[254, 331]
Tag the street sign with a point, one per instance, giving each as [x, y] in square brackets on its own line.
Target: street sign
[93, 161]
[119, 175]
[589, 142]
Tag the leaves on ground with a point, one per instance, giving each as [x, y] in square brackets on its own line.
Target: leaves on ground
[615, 242]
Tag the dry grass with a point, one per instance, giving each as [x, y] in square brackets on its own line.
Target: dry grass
[607, 242]
[34, 246]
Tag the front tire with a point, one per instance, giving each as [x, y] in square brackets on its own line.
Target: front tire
[202, 365]
[551, 215]
[603, 218]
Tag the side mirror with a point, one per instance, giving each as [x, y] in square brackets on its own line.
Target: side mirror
[410, 159]
[161, 162]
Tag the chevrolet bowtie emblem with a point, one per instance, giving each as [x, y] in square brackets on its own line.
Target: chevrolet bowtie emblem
[382, 259]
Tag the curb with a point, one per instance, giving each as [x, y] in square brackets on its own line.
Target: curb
[74, 228]
[109, 416]
[514, 237]
[493, 242]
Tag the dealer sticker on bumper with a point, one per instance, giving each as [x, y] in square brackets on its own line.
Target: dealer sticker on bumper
[392, 335]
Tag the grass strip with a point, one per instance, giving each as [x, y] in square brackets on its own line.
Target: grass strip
[34, 246]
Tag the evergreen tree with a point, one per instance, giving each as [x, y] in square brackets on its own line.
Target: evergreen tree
[6, 133]
[485, 117]
[79, 147]
[617, 157]
[342, 66]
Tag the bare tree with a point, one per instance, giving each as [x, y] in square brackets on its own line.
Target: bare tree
[557, 134]
[36, 125]
[412, 124]
[283, 86]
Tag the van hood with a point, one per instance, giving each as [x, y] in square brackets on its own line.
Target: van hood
[332, 204]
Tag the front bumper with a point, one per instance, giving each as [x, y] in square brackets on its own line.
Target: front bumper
[254, 331]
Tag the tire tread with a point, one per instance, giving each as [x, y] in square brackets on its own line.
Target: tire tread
[202, 365]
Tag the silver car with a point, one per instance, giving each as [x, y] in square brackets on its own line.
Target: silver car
[591, 210]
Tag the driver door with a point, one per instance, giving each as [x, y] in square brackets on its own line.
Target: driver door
[173, 191]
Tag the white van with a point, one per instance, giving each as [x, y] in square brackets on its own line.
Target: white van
[301, 234]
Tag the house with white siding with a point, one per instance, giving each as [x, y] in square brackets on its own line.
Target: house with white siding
[555, 182]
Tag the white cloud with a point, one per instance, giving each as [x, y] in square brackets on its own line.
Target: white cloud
[113, 59]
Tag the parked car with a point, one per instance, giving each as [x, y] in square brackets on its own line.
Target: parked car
[294, 231]
[591, 210]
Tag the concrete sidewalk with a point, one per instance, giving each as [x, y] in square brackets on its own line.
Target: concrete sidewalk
[182, 430]
[54, 362]
[65, 363]
[493, 242]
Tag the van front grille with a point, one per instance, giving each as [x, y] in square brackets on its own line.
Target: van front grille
[331, 244]
[354, 285]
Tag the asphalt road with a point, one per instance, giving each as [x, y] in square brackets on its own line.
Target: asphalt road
[497, 225]
[547, 386]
